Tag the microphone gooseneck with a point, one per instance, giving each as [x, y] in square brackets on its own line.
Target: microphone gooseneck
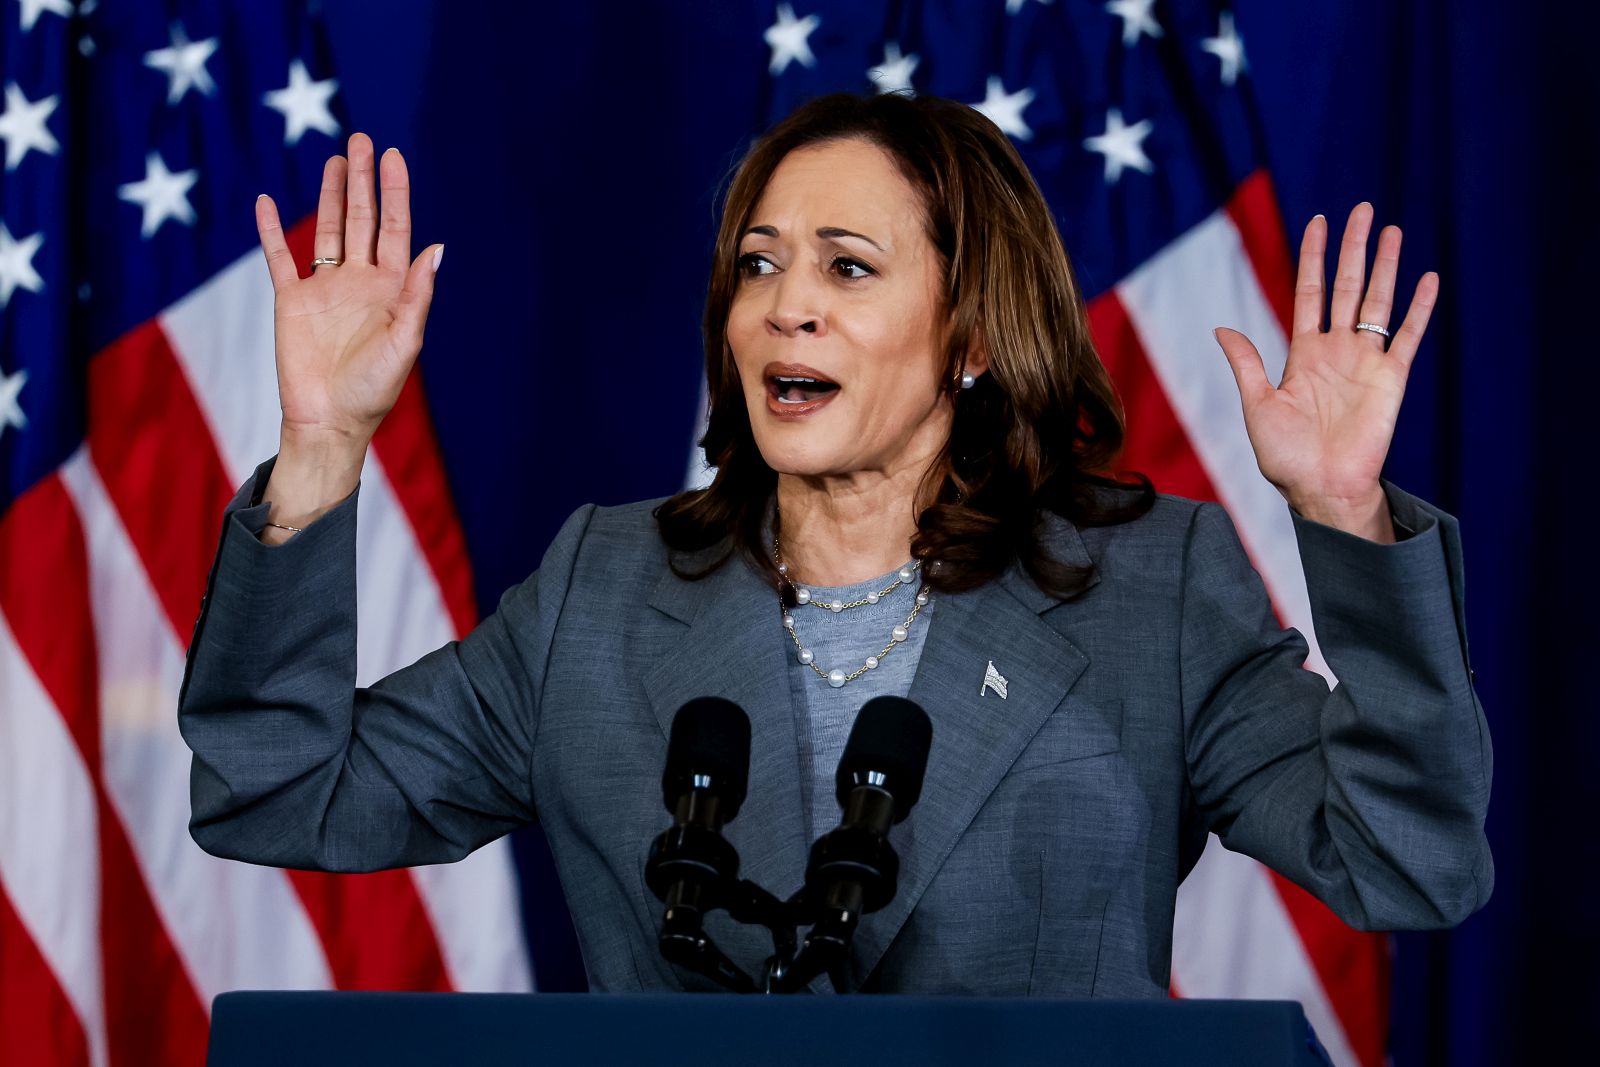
[853, 869]
[691, 867]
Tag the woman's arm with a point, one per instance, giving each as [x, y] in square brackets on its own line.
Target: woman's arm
[295, 766]
[1371, 796]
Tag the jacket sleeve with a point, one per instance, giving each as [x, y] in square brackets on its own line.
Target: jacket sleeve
[1372, 796]
[295, 766]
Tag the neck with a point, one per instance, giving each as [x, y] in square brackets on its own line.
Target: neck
[844, 530]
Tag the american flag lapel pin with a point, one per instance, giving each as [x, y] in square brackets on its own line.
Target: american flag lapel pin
[993, 679]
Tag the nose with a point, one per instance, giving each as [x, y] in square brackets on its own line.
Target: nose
[794, 310]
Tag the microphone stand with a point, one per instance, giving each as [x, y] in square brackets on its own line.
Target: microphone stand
[852, 870]
[827, 950]
[791, 967]
[684, 942]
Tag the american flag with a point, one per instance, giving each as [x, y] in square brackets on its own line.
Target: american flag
[137, 391]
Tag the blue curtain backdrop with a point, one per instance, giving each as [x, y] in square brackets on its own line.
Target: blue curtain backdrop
[570, 154]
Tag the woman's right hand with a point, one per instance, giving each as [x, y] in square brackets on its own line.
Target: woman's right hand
[348, 335]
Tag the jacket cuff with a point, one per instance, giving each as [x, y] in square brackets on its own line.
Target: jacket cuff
[270, 574]
[1410, 515]
[247, 511]
[1358, 586]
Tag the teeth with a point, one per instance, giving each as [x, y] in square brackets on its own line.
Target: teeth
[794, 389]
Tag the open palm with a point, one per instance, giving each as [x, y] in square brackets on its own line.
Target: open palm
[1322, 434]
[348, 335]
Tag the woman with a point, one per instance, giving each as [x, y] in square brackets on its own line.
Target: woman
[908, 421]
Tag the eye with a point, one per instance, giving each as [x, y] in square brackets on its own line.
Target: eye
[850, 264]
[749, 265]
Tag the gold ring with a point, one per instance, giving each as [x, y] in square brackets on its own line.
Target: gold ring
[325, 262]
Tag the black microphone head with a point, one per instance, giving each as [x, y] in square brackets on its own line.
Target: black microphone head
[710, 737]
[891, 738]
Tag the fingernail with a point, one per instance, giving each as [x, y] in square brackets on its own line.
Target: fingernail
[438, 257]
[260, 195]
[391, 148]
[1318, 215]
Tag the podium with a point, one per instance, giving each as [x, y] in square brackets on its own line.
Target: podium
[709, 1030]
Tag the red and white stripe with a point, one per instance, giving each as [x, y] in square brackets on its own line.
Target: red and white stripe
[1240, 930]
[49, 910]
[115, 929]
[130, 998]
[212, 909]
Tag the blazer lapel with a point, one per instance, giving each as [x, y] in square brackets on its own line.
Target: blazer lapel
[734, 647]
[977, 736]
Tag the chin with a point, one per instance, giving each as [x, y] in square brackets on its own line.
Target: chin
[807, 445]
[801, 454]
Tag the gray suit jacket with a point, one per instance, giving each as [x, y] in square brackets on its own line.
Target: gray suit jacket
[1162, 702]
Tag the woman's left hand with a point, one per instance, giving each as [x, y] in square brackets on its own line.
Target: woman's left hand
[1322, 434]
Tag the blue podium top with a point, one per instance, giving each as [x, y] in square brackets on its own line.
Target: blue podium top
[307, 1029]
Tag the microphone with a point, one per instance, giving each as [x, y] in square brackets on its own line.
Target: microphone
[708, 759]
[691, 866]
[853, 869]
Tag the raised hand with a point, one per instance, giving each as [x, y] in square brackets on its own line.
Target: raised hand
[1322, 434]
[348, 335]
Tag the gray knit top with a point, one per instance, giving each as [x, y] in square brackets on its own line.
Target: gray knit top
[844, 639]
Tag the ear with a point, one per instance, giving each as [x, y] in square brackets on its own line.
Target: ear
[976, 362]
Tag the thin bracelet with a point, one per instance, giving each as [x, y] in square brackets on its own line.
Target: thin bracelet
[291, 529]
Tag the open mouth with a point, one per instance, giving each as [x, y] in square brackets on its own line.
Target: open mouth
[795, 391]
[799, 389]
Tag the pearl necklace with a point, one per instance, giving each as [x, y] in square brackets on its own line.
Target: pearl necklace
[837, 677]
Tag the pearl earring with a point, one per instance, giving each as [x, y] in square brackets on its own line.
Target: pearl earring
[968, 381]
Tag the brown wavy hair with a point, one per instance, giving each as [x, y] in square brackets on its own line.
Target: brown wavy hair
[1036, 434]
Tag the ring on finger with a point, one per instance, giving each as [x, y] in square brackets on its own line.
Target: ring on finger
[1374, 327]
[325, 261]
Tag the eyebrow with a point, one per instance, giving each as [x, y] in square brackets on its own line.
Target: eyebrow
[828, 232]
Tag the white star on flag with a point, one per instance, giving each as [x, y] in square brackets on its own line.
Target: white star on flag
[1122, 145]
[16, 264]
[1136, 19]
[304, 104]
[10, 410]
[1227, 46]
[162, 194]
[22, 125]
[32, 9]
[788, 39]
[184, 62]
[894, 74]
[1005, 109]
[1013, 6]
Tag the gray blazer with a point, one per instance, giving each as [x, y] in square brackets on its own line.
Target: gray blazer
[1162, 702]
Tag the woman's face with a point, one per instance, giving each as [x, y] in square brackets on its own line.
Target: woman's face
[836, 324]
